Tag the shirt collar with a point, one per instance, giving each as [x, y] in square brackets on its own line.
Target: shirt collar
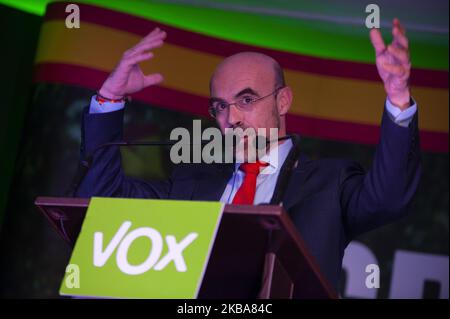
[275, 157]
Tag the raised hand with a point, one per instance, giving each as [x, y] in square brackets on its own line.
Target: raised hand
[128, 77]
[393, 64]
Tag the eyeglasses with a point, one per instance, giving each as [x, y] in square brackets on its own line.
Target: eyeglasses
[244, 103]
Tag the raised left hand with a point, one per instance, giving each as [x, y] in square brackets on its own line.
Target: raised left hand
[393, 64]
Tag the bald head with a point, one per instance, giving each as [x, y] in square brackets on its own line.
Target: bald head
[252, 64]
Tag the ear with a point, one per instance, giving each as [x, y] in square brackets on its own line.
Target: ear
[284, 100]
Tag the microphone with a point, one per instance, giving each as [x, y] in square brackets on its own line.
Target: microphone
[260, 142]
[85, 164]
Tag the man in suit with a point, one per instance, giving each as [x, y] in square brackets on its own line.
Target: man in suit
[330, 201]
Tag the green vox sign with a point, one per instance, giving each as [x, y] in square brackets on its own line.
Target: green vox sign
[140, 248]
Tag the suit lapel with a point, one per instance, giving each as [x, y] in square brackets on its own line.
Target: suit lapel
[212, 182]
[301, 174]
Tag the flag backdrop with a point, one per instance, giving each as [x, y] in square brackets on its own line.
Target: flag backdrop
[333, 99]
[326, 53]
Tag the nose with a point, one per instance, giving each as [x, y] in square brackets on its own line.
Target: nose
[235, 116]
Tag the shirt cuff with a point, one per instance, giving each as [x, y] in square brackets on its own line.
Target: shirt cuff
[402, 118]
[105, 107]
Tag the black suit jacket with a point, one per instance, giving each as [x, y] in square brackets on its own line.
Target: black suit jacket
[330, 201]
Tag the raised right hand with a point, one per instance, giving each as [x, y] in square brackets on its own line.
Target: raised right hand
[128, 77]
[393, 64]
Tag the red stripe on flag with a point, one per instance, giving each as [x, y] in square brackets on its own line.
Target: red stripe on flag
[204, 43]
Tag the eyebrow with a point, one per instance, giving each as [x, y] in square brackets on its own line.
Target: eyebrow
[247, 90]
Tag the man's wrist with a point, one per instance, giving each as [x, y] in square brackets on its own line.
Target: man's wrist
[402, 101]
[401, 117]
[108, 95]
[98, 106]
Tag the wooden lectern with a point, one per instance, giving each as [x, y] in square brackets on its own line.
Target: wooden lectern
[257, 253]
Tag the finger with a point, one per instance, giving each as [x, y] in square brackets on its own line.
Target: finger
[143, 48]
[377, 41]
[400, 54]
[399, 25]
[154, 32]
[155, 37]
[147, 47]
[153, 79]
[400, 40]
[138, 58]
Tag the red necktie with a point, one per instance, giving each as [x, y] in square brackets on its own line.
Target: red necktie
[246, 193]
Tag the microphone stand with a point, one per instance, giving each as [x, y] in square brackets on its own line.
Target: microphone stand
[85, 164]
